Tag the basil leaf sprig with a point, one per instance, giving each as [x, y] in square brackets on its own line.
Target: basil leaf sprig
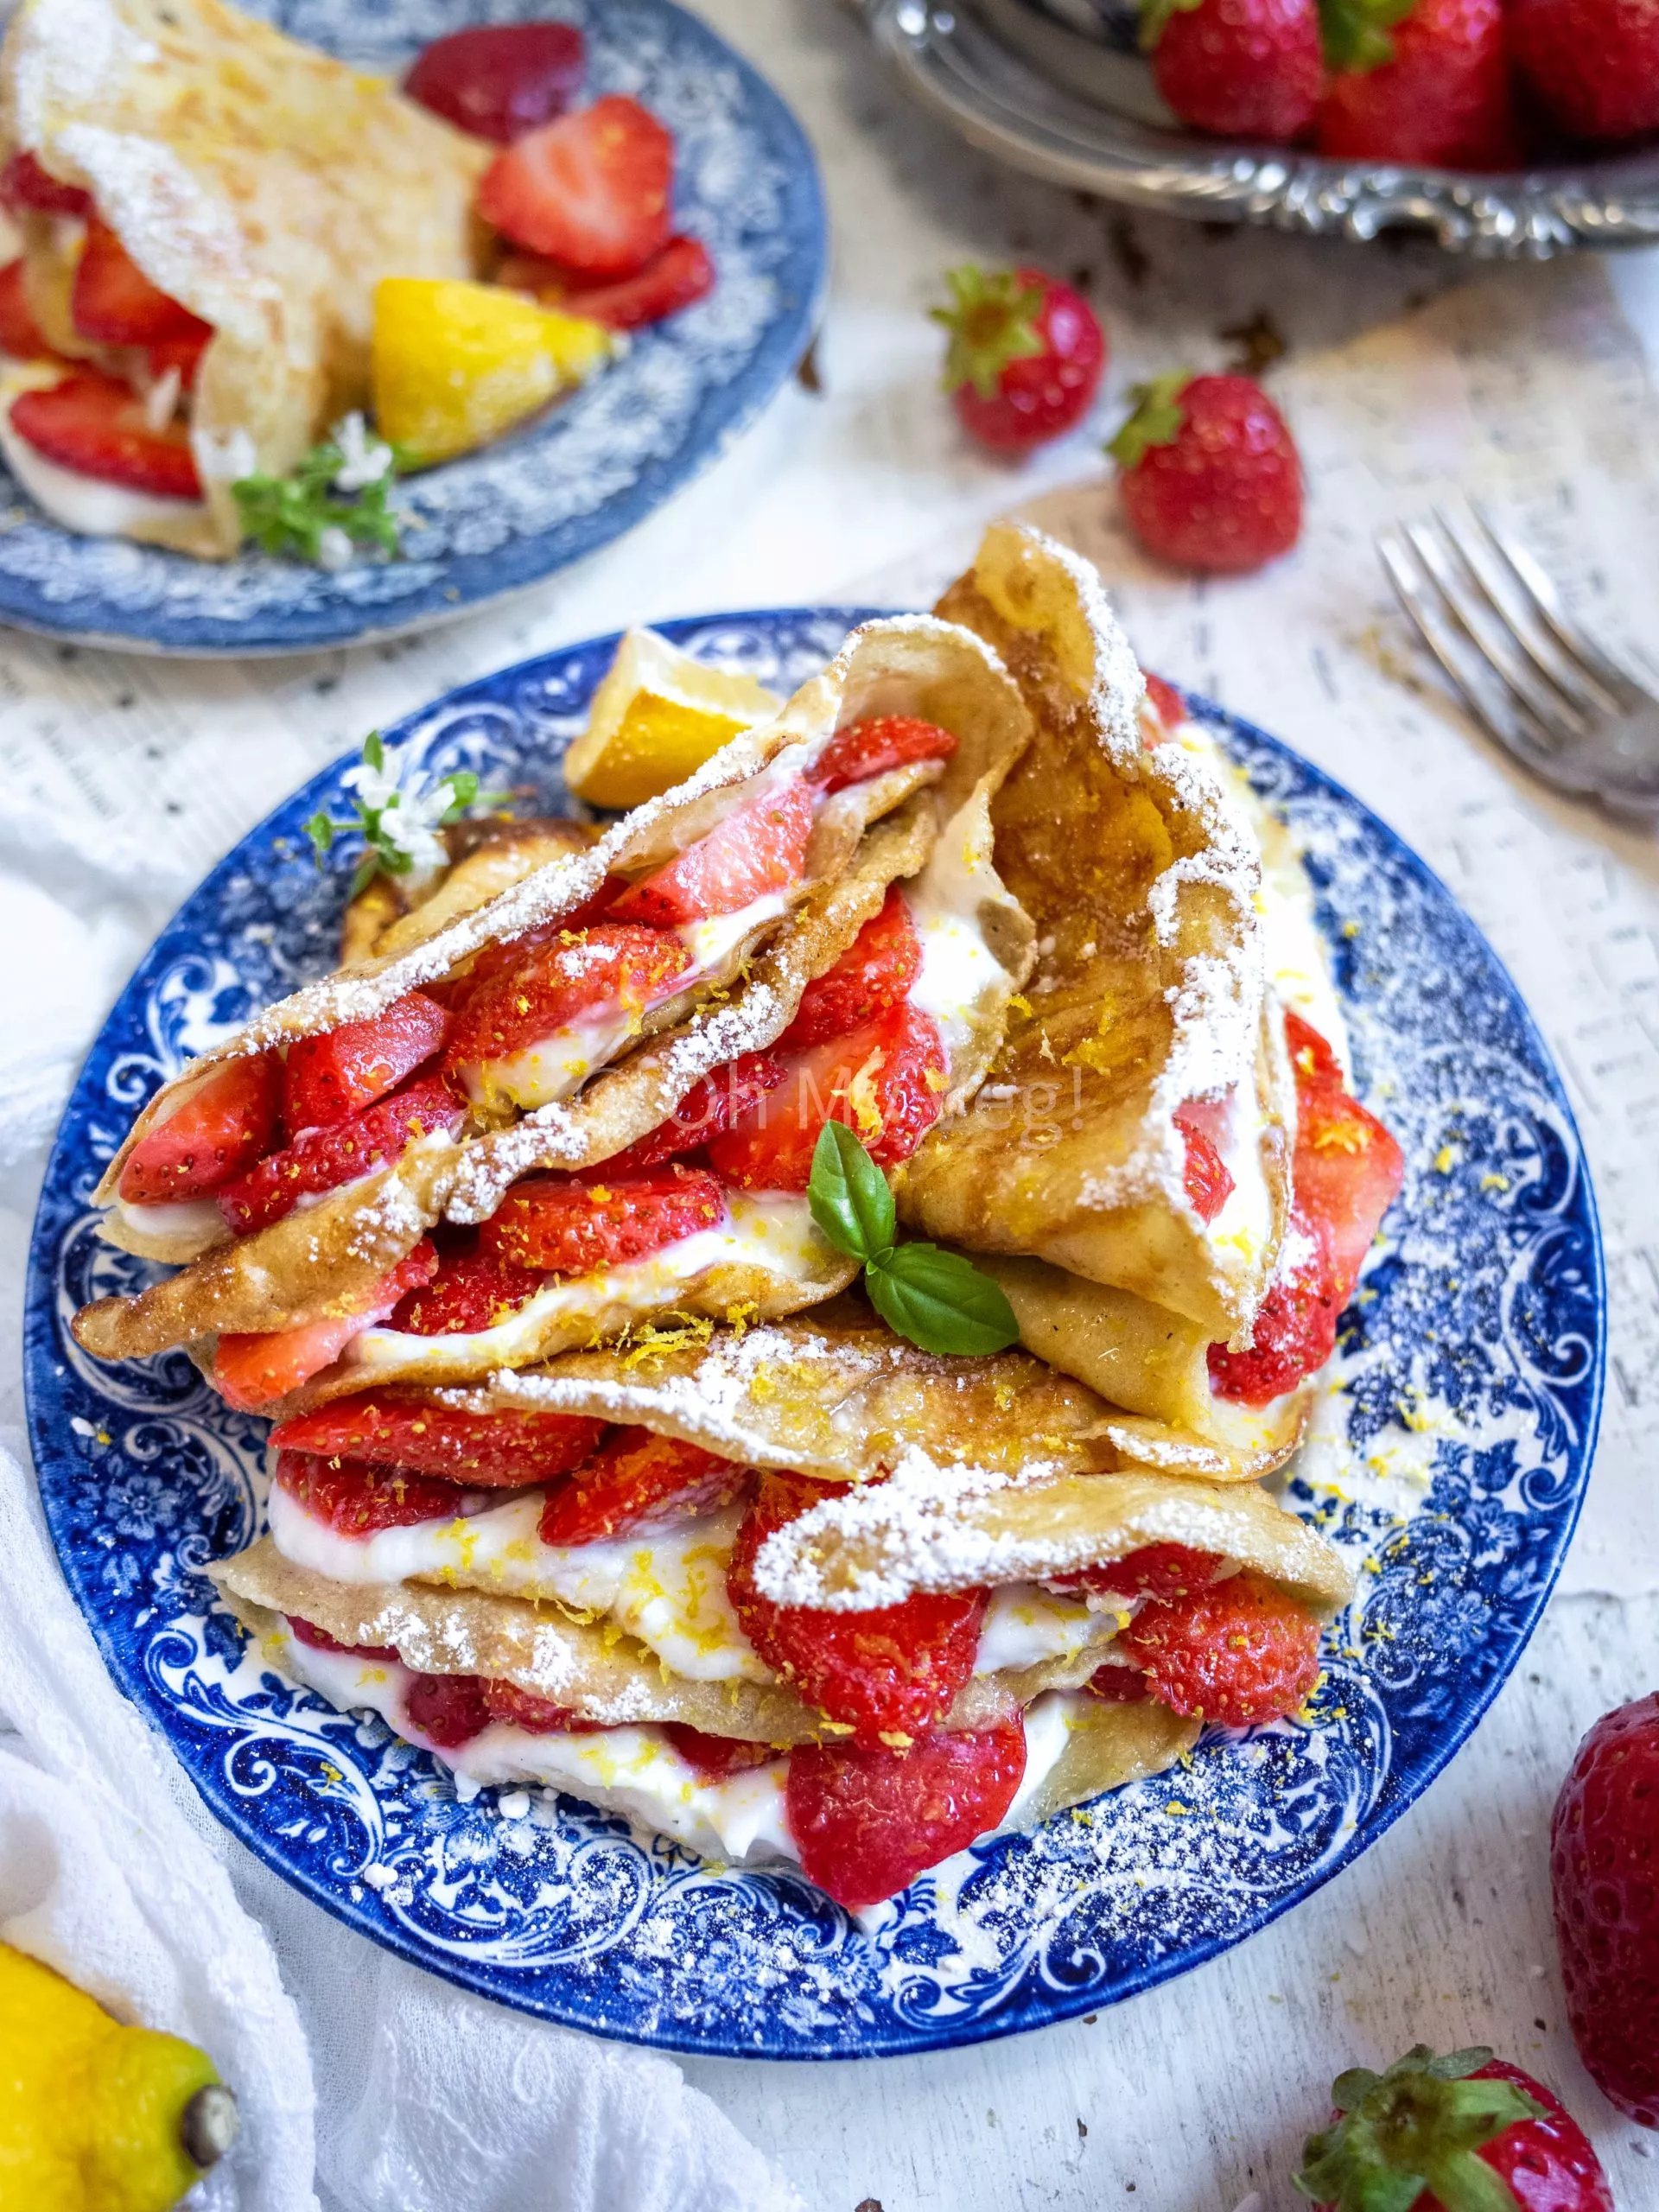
[399, 810]
[937, 1299]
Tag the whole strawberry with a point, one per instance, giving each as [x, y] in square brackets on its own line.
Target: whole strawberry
[1245, 68]
[1604, 1864]
[1025, 355]
[1593, 64]
[1210, 478]
[1434, 87]
[1431, 2134]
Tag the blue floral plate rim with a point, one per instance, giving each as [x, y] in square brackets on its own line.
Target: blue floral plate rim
[606, 1989]
[495, 525]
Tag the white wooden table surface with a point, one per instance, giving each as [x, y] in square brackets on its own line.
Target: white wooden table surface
[1195, 2097]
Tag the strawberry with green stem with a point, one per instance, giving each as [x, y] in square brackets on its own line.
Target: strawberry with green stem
[1025, 355]
[1463, 2134]
[1209, 475]
[1428, 83]
[1242, 68]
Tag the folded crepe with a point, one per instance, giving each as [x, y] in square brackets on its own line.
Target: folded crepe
[926, 822]
[1140, 875]
[262, 184]
[575, 1625]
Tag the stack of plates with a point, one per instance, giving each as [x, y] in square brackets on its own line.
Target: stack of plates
[1057, 87]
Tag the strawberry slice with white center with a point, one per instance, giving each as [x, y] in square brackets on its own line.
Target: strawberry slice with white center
[325, 1159]
[97, 427]
[591, 190]
[218, 1134]
[329, 1078]
[575, 1224]
[534, 1032]
[886, 1081]
[757, 853]
[254, 1371]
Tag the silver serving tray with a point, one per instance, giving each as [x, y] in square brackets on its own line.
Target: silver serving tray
[995, 74]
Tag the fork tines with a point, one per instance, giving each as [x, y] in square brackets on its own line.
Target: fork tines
[1529, 675]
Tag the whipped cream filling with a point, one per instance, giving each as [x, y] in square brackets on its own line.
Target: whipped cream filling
[742, 1820]
[958, 966]
[198, 1218]
[86, 504]
[771, 1230]
[560, 1063]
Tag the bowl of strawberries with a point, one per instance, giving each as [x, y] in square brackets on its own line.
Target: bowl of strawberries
[1503, 128]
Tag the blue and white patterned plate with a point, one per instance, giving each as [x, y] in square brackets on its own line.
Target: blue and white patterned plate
[495, 521]
[1449, 1460]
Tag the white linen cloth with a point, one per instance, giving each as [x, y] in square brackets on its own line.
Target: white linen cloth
[112, 1872]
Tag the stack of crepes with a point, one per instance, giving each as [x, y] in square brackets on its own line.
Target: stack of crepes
[570, 1483]
[263, 187]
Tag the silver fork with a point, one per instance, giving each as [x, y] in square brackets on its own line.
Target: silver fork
[1548, 694]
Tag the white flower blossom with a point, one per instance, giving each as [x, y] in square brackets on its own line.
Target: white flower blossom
[334, 548]
[363, 459]
[411, 808]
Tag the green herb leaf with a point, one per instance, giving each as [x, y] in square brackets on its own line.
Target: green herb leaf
[1154, 19]
[849, 1196]
[992, 319]
[320, 831]
[1355, 33]
[1156, 419]
[940, 1300]
[296, 514]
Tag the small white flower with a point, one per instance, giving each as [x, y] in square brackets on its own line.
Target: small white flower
[411, 806]
[334, 549]
[363, 459]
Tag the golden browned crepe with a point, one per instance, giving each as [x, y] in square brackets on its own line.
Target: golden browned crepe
[264, 186]
[1140, 874]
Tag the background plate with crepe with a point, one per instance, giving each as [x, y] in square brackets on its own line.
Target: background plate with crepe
[1449, 1456]
[503, 517]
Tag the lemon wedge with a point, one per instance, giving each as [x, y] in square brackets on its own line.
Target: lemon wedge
[657, 716]
[453, 365]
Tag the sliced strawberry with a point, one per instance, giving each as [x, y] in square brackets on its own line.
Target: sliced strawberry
[540, 1715]
[449, 1710]
[1207, 1179]
[591, 190]
[638, 1480]
[20, 334]
[1346, 1172]
[885, 1081]
[717, 1758]
[679, 275]
[1347, 1169]
[329, 1078]
[1167, 703]
[555, 985]
[1113, 1684]
[355, 1497]
[97, 426]
[249, 1371]
[218, 1133]
[1239, 1652]
[871, 747]
[114, 303]
[758, 850]
[304, 1632]
[323, 1159]
[875, 972]
[572, 1224]
[499, 80]
[183, 353]
[490, 1451]
[1161, 1571]
[890, 1672]
[470, 1291]
[711, 1105]
[25, 186]
[867, 1820]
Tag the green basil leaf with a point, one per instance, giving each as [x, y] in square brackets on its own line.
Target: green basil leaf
[940, 1300]
[848, 1195]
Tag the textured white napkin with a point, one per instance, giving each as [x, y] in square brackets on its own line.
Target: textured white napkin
[425, 2100]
